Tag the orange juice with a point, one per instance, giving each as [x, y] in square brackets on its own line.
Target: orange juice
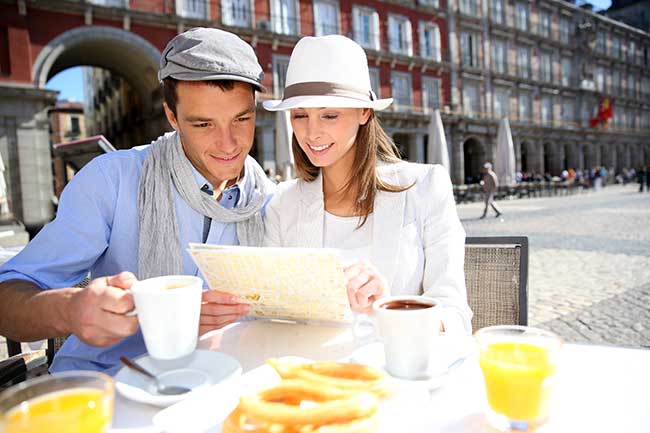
[517, 379]
[77, 410]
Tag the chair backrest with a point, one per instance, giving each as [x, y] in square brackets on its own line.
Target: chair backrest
[496, 276]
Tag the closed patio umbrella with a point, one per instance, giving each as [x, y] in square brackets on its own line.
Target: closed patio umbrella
[505, 161]
[437, 152]
[283, 153]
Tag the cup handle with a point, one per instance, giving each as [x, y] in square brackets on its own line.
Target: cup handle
[370, 334]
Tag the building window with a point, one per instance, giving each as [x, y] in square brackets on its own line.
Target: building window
[375, 85]
[568, 114]
[525, 107]
[470, 46]
[500, 56]
[432, 3]
[522, 16]
[284, 17]
[600, 42]
[74, 125]
[402, 93]
[235, 13]
[400, 35]
[547, 109]
[600, 79]
[471, 99]
[469, 7]
[566, 72]
[497, 11]
[523, 62]
[430, 41]
[192, 9]
[501, 103]
[616, 81]
[280, 65]
[109, 3]
[631, 86]
[565, 30]
[631, 52]
[616, 47]
[545, 66]
[545, 23]
[366, 27]
[326, 17]
[430, 94]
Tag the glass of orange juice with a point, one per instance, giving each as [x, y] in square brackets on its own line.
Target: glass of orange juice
[71, 402]
[518, 364]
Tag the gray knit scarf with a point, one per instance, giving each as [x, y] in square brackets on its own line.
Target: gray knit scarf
[159, 249]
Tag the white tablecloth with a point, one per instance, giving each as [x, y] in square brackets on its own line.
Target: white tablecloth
[599, 388]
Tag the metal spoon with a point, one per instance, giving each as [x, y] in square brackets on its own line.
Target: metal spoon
[161, 388]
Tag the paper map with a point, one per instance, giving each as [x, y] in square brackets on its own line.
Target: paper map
[301, 284]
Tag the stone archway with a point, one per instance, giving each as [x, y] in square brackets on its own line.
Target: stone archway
[525, 157]
[474, 156]
[123, 53]
[547, 149]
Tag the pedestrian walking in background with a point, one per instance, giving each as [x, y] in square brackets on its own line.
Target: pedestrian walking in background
[647, 179]
[490, 184]
[641, 176]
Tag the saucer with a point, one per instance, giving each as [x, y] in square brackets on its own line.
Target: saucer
[373, 355]
[203, 369]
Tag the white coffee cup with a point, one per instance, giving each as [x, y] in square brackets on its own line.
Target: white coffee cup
[409, 335]
[168, 309]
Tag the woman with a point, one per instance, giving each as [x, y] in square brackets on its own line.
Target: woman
[353, 192]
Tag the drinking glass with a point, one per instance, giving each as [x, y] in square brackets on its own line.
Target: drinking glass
[518, 364]
[70, 402]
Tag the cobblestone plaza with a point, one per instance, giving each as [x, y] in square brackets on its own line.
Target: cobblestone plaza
[589, 266]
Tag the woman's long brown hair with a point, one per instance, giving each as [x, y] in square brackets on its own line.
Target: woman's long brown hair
[372, 145]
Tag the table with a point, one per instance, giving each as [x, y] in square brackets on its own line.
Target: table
[599, 388]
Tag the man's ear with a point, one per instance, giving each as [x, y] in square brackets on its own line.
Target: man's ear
[171, 118]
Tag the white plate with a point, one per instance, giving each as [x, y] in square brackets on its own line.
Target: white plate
[204, 369]
[453, 351]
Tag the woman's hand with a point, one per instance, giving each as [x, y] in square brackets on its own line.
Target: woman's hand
[364, 285]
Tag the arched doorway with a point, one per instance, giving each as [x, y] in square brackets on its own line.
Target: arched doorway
[402, 143]
[547, 150]
[123, 55]
[473, 158]
[525, 164]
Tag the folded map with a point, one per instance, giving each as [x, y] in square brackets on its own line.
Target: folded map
[299, 284]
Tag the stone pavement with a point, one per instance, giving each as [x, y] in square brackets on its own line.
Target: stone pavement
[589, 265]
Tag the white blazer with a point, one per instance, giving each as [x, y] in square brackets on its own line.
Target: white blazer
[418, 242]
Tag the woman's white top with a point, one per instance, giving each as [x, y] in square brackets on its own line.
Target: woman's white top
[418, 242]
[342, 234]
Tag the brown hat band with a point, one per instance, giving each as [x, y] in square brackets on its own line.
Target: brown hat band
[323, 88]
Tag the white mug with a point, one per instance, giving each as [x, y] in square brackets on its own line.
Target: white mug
[409, 335]
[169, 309]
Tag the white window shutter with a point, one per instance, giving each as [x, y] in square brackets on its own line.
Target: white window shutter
[356, 23]
[409, 37]
[437, 55]
[422, 39]
[375, 31]
[392, 37]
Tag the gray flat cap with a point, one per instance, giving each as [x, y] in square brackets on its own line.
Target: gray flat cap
[205, 53]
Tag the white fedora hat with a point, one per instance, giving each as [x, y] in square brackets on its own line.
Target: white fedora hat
[328, 71]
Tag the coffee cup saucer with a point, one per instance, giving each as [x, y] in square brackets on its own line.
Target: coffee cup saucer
[202, 369]
[372, 355]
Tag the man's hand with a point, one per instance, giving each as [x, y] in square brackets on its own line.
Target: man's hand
[96, 313]
[364, 285]
[220, 309]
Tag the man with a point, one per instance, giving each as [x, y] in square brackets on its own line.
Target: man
[490, 184]
[133, 212]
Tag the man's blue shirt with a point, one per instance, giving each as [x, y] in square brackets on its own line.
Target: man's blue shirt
[96, 230]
